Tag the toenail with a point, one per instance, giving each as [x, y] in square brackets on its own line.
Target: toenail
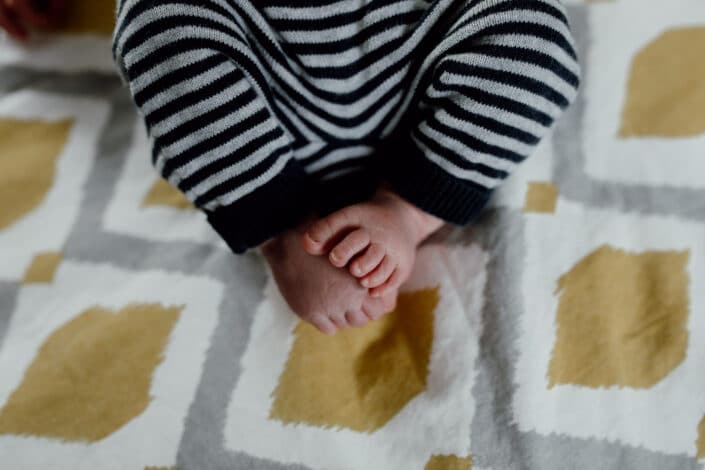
[365, 282]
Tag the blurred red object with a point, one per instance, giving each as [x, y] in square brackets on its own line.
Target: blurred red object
[16, 16]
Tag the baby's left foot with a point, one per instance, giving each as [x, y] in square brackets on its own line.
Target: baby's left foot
[377, 239]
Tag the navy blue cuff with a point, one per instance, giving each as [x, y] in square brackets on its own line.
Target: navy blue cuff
[280, 204]
[428, 186]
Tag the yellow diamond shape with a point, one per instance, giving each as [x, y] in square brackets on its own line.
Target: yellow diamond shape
[622, 319]
[359, 378]
[666, 90]
[28, 154]
[541, 197]
[92, 375]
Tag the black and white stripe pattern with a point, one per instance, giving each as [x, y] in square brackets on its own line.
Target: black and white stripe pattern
[244, 98]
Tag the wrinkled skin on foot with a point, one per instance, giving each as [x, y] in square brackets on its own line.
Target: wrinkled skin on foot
[316, 291]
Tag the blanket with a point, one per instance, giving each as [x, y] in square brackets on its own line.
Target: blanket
[565, 329]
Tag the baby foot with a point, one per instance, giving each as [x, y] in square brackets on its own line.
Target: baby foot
[377, 239]
[317, 292]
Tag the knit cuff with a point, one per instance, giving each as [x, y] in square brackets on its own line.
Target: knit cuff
[266, 212]
[430, 188]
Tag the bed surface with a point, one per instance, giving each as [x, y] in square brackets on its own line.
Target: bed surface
[564, 330]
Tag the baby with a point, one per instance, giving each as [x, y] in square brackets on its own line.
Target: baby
[337, 135]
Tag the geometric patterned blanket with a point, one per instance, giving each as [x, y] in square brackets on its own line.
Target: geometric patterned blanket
[563, 330]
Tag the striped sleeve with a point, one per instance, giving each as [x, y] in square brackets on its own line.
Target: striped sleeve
[209, 115]
[507, 71]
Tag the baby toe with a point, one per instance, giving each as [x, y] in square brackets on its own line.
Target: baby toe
[365, 263]
[351, 245]
[389, 300]
[356, 318]
[373, 308]
[380, 275]
[324, 324]
[339, 321]
[323, 233]
[392, 284]
[312, 245]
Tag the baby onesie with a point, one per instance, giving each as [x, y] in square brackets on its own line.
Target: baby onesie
[261, 112]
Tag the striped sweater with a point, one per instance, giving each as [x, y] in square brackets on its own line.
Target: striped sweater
[259, 111]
